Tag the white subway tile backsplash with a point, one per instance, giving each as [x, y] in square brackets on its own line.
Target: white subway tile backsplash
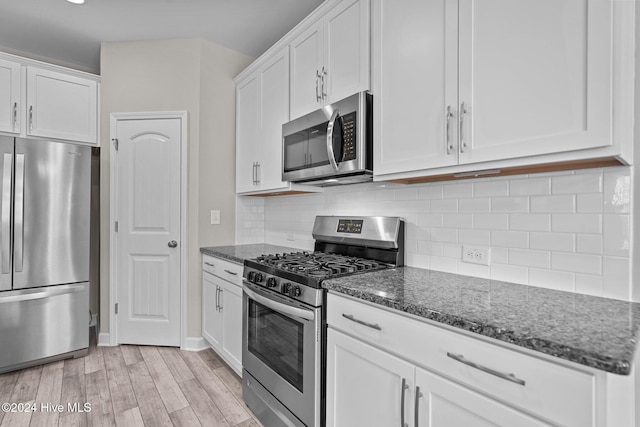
[565, 230]
[552, 241]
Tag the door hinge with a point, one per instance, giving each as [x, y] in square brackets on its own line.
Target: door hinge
[115, 143]
[116, 226]
[116, 308]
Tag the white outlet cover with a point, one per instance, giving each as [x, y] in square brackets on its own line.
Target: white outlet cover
[476, 254]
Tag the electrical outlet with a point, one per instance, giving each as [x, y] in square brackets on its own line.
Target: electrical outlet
[476, 254]
[215, 217]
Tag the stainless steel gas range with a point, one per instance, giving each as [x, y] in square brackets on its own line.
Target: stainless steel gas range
[284, 329]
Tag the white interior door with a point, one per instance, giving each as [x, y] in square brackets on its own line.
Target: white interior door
[148, 237]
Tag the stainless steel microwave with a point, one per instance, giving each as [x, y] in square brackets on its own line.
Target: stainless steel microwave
[332, 145]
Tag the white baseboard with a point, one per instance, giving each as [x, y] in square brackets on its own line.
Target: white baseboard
[104, 339]
[194, 344]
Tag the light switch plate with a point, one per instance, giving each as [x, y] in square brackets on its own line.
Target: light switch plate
[215, 217]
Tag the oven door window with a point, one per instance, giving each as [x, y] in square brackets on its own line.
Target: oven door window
[278, 341]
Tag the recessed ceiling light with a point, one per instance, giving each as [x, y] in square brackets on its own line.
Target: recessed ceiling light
[76, 1]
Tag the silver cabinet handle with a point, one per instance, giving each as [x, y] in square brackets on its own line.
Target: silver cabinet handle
[317, 83]
[463, 112]
[15, 115]
[18, 238]
[30, 117]
[233, 273]
[6, 213]
[172, 244]
[402, 394]
[448, 130]
[330, 126]
[209, 264]
[322, 91]
[258, 168]
[370, 325]
[416, 422]
[217, 298]
[509, 377]
[254, 173]
[220, 296]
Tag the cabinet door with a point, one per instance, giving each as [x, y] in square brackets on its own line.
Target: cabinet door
[535, 77]
[10, 97]
[443, 403]
[346, 56]
[364, 384]
[211, 316]
[61, 106]
[414, 84]
[306, 64]
[232, 324]
[274, 110]
[247, 132]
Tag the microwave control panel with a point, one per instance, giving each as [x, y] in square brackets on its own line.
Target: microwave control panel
[349, 128]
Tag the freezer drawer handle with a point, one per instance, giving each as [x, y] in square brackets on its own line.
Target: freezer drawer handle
[52, 291]
[509, 377]
[6, 213]
[19, 212]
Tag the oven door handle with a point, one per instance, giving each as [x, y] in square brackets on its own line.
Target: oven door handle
[279, 307]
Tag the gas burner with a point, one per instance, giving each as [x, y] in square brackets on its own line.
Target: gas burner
[318, 264]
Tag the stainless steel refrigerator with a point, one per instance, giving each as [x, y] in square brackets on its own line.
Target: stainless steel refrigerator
[45, 190]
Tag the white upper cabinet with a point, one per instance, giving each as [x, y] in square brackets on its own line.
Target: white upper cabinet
[464, 85]
[330, 58]
[10, 105]
[61, 106]
[248, 149]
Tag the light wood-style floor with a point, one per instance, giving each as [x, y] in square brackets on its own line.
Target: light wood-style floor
[129, 386]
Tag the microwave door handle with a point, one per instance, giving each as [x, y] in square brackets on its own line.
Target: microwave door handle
[330, 127]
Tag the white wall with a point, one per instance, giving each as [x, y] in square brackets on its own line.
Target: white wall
[566, 230]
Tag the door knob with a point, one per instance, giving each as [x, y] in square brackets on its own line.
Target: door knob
[173, 244]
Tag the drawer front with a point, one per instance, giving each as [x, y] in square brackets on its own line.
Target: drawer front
[224, 269]
[554, 392]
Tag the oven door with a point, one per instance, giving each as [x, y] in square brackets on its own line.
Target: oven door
[281, 350]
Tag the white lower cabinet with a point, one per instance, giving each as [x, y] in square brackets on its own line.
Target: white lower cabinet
[222, 309]
[387, 369]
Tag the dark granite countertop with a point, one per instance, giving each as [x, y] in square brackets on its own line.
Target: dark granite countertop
[592, 331]
[238, 253]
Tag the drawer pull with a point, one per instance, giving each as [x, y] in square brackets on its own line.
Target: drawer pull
[231, 272]
[509, 377]
[209, 264]
[370, 325]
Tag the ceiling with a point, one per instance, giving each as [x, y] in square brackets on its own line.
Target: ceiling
[72, 34]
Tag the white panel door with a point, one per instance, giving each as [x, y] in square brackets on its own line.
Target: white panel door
[535, 77]
[148, 237]
[274, 111]
[364, 384]
[247, 133]
[415, 56]
[306, 66]
[443, 403]
[346, 57]
[10, 97]
[61, 106]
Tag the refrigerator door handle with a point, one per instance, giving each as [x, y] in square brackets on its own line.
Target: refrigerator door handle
[19, 215]
[6, 213]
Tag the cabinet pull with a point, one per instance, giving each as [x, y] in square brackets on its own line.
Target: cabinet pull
[509, 377]
[15, 115]
[402, 394]
[416, 413]
[258, 173]
[463, 112]
[370, 325]
[31, 117]
[448, 130]
[322, 92]
[233, 273]
[317, 83]
[254, 173]
[209, 264]
[217, 298]
[220, 307]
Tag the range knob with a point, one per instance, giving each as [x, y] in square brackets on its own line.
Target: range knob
[258, 278]
[296, 291]
[286, 288]
[251, 276]
[271, 282]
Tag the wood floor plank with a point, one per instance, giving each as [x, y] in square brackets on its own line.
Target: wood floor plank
[73, 393]
[215, 388]
[48, 397]
[204, 408]
[24, 391]
[211, 358]
[129, 418]
[176, 364]
[122, 395]
[7, 384]
[94, 361]
[131, 354]
[170, 392]
[231, 380]
[99, 397]
[185, 417]
[150, 403]
[249, 423]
